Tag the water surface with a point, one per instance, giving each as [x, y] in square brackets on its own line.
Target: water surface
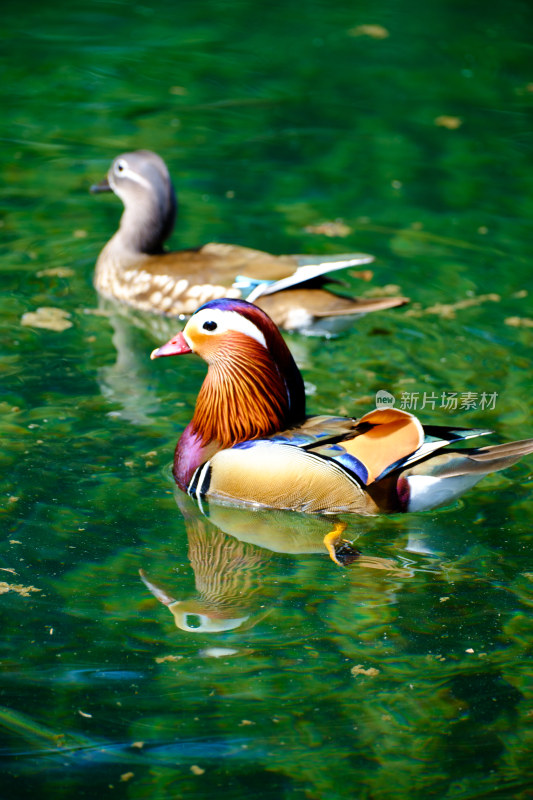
[247, 662]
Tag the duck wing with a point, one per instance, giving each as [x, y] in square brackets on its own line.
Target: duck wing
[308, 269]
[442, 477]
[247, 269]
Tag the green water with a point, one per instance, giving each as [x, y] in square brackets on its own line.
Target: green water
[404, 675]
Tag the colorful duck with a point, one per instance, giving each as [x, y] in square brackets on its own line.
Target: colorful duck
[135, 269]
[250, 442]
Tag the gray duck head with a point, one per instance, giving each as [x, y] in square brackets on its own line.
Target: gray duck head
[142, 181]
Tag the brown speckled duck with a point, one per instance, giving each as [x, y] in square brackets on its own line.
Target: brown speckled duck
[135, 269]
[251, 443]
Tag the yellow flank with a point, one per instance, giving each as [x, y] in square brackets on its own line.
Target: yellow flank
[283, 476]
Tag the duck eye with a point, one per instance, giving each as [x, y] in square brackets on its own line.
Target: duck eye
[120, 166]
[209, 326]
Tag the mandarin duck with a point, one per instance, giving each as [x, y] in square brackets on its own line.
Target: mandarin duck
[134, 267]
[250, 442]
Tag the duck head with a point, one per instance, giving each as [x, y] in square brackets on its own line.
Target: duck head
[142, 181]
[253, 387]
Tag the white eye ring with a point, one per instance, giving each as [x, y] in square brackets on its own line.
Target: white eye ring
[120, 166]
[224, 321]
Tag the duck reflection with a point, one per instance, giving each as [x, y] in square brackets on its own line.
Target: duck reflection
[230, 550]
[235, 552]
[126, 382]
[227, 576]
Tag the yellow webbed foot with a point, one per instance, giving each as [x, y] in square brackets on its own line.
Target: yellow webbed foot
[340, 550]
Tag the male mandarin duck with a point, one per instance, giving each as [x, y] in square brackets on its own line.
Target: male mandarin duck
[135, 269]
[250, 442]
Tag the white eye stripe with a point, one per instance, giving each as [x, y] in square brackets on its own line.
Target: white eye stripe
[225, 321]
[126, 172]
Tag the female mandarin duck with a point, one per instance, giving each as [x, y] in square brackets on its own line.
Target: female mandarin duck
[134, 268]
[250, 442]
